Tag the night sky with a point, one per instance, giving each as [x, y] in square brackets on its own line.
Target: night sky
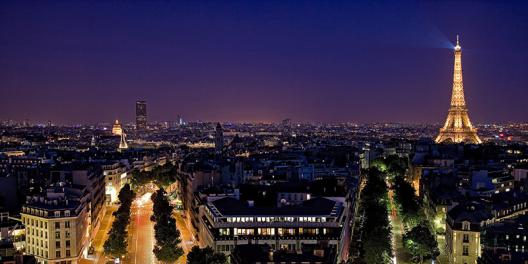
[376, 61]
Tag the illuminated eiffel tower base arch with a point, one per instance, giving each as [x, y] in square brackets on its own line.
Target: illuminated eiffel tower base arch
[458, 127]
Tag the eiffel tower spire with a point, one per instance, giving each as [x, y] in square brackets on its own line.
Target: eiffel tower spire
[458, 127]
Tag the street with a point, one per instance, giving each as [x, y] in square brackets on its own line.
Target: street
[141, 233]
[399, 251]
[187, 240]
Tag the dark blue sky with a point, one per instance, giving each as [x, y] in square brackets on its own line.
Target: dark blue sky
[261, 60]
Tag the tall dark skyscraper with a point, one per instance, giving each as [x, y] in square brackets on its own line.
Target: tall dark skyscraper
[219, 138]
[141, 115]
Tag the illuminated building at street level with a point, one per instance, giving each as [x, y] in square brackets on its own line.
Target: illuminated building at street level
[57, 225]
[458, 127]
[117, 130]
[228, 222]
[115, 175]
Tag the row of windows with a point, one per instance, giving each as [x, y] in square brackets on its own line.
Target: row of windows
[39, 212]
[36, 232]
[517, 237]
[221, 248]
[517, 207]
[44, 234]
[44, 253]
[271, 231]
[275, 219]
[289, 247]
[43, 224]
[44, 243]
[37, 242]
[519, 249]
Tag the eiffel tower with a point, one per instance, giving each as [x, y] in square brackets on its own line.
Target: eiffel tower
[458, 127]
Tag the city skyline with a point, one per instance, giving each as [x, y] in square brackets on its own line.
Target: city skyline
[249, 62]
[248, 132]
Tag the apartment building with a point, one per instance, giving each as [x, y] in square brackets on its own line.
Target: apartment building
[227, 222]
[57, 224]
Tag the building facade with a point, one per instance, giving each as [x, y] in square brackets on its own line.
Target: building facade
[465, 223]
[228, 222]
[57, 225]
[115, 175]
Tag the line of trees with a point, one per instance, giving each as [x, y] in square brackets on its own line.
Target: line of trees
[407, 203]
[205, 255]
[376, 236]
[419, 239]
[166, 249]
[116, 244]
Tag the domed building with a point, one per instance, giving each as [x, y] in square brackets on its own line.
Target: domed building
[117, 130]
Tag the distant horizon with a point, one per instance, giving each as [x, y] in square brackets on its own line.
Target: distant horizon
[224, 122]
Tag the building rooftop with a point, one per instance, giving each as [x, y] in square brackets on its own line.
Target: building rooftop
[314, 207]
[471, 211]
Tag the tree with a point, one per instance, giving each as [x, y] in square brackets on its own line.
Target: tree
[162, 208]
[167, 236]
[116, 244]
[408, 203]
[205, 256]
[421, 243]
[167, 254]
[126, 195]
[376, 235]
[379, 164]
[139, 178]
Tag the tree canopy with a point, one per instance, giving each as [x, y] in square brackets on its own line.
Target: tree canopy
[376, 236]
[116, 244]
[206, 255]
[167, 236]
[421, 243]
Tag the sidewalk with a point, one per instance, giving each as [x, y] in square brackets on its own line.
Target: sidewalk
[101, 235]
[187, 240]
[399, 250]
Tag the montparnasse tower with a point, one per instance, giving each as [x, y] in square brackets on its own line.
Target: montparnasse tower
[458, 127]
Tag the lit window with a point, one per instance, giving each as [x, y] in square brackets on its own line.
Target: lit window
[465, 250]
